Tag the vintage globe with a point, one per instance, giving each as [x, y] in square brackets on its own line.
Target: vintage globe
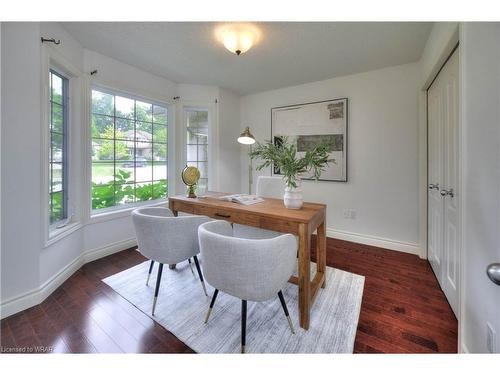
[190, 176]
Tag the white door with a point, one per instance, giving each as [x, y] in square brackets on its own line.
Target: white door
[443, 233]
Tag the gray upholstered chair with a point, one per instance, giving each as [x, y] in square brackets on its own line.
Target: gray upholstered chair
[166, 239]
[251, 270]
[267, 187]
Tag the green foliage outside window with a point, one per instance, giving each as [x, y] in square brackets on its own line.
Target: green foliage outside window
[122, 191]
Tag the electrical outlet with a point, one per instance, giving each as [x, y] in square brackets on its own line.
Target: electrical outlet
[346, 213]
[353, 214]
[490, 338]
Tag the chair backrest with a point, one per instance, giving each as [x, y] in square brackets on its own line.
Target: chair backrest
[270, 187]
[164, 238]
[253, 270]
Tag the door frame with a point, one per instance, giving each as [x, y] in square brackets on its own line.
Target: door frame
[443, 56]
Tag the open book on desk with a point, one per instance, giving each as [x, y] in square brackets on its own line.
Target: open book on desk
[244, 199]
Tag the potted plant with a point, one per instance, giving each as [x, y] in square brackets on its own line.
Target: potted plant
[283, 155]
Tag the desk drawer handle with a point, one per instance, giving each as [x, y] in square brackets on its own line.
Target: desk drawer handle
[224, 216]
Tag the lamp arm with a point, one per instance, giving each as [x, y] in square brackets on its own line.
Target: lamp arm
[250, 172]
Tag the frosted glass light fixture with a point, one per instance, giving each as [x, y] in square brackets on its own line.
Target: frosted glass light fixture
[238, 38]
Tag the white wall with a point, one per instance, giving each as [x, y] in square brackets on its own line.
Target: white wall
[382, 153]
[21, 175]
[480, 74]
[229, 149]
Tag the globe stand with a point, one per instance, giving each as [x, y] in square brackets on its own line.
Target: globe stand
[191, 191]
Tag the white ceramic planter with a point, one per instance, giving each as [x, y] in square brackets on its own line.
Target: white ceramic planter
[293, 197]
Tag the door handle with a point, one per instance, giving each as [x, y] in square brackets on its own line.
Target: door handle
[445, 192]
[493, 272]
[433, 186]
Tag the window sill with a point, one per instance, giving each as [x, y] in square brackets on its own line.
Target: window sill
[99, 217]
[58, 234]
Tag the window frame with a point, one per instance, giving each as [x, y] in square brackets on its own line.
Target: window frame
[185, 110]
[103, 214]
[51, 59]
[65, 149]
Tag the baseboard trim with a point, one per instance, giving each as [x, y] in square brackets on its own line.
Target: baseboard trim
[405, 247]
[38, 295]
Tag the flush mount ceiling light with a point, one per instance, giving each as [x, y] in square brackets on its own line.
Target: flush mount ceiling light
[238, 38]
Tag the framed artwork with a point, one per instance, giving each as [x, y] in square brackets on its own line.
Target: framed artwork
[311, 123]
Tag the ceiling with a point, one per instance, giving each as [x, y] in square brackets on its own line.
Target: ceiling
[289, 53]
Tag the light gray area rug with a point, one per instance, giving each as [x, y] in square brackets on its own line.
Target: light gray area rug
[182, 306]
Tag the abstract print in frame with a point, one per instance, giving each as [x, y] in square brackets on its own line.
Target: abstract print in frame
[310, 124]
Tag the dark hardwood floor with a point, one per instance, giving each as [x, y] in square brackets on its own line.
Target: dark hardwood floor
[403, 309]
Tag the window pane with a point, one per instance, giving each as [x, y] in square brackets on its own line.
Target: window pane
[159, 114]
[124, 129]
[192, 153]
[103, 103]
[144, 111]
[143, 132]
[202, 185]
[143, 171]
[192, 138]
[203, 153]
[102, 127]
[57, 147]
[160, 189]
[57, 176]
[102, 196]
[159, 151]
[102, 172]
[124, 150]
[159, 133]
[56, 207]
[143, 151]
[57, 89]
[56, 118]
[124, 193]
[125, 171]
[103, 149]
[159, 170]
[143, 191]
[124, 107]
[203, 169]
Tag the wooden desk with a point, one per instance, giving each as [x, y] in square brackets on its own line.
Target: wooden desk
[272, 214]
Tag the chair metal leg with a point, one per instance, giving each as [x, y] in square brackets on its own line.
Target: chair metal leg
[190, 266]
[150, 270]
[283, 304]
[197, 264]
[243, 324]
[157, 289]
[214, 297]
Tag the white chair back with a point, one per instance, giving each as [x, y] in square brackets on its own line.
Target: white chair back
[164, 238]
[253, 270]
[270, 187]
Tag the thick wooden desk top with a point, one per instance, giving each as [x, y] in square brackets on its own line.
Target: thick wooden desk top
[272, 208]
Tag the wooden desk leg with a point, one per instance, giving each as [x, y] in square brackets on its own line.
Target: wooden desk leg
[321, 250]
[304, 275]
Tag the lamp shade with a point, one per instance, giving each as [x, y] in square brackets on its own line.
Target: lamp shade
[246, 137]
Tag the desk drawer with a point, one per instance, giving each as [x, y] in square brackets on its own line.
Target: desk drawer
[233, 217]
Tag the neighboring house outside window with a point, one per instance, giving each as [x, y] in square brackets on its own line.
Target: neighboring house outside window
[129, 150]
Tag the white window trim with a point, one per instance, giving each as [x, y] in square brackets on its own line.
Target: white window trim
[110, 213]
[50, 58]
